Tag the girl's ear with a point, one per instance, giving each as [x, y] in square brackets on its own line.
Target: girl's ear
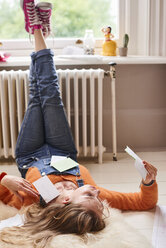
[66, 200]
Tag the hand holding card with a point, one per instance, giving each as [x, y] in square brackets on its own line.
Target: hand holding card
[139, 165]
[152, 172]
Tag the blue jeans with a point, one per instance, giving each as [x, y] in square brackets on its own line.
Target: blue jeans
[45, 130]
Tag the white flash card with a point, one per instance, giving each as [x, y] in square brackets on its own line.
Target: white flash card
[46, 189]
[138, 163]
[56, 158]
[131, 153]
[63, 163]
[140, 167]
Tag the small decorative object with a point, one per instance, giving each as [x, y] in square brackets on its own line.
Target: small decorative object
[109, 46]
[79, 43]
[3, 56]
[89, 42]
[123, 50]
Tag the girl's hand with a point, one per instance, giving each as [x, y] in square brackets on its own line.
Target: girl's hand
[152, 173]
[15, 184]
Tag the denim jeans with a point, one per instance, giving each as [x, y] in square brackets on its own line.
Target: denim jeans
[45, 130]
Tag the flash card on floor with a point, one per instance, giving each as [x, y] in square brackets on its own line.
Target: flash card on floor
[46, 189]
[138, 163]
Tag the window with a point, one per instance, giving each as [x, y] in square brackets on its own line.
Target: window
[70, 18]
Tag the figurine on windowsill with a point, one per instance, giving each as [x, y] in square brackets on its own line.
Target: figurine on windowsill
[109, 46]
[3, 56]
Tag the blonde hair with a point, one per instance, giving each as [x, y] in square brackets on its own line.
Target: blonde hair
[42, 224]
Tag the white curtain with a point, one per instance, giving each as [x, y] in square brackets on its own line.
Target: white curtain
[145, 22]
[157, 28]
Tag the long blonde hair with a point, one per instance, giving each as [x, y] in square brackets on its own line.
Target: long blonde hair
[42, 224]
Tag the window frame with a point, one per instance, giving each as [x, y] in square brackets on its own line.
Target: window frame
[22, 47]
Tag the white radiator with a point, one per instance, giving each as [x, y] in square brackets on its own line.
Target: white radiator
[81, 92]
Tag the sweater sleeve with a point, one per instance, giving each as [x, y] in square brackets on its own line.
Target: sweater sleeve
[33, 174]
[9, 198]
[143, 200]
[5, 194]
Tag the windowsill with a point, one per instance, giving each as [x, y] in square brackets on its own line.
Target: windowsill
[88, 60]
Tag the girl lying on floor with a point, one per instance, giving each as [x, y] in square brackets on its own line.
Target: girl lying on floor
[45, 132]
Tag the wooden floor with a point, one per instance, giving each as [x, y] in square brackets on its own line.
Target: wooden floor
[122, 176]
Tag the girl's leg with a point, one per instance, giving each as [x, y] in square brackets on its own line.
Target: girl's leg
[57, 130]
[51, 114]
[31, 136]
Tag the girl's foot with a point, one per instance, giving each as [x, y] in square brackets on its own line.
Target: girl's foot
[32, 20]
[44, 10]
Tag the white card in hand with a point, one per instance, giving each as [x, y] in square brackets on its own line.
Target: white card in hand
[138, 163]
[140, 167]
[46, 189]
[131, 153]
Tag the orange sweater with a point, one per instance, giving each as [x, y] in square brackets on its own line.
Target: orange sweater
[143, 200]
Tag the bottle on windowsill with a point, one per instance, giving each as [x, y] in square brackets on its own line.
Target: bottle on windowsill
[89, 42]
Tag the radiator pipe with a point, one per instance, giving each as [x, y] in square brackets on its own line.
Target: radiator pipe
[112, 74]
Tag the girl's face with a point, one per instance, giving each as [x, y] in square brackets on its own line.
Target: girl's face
[86, 195]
